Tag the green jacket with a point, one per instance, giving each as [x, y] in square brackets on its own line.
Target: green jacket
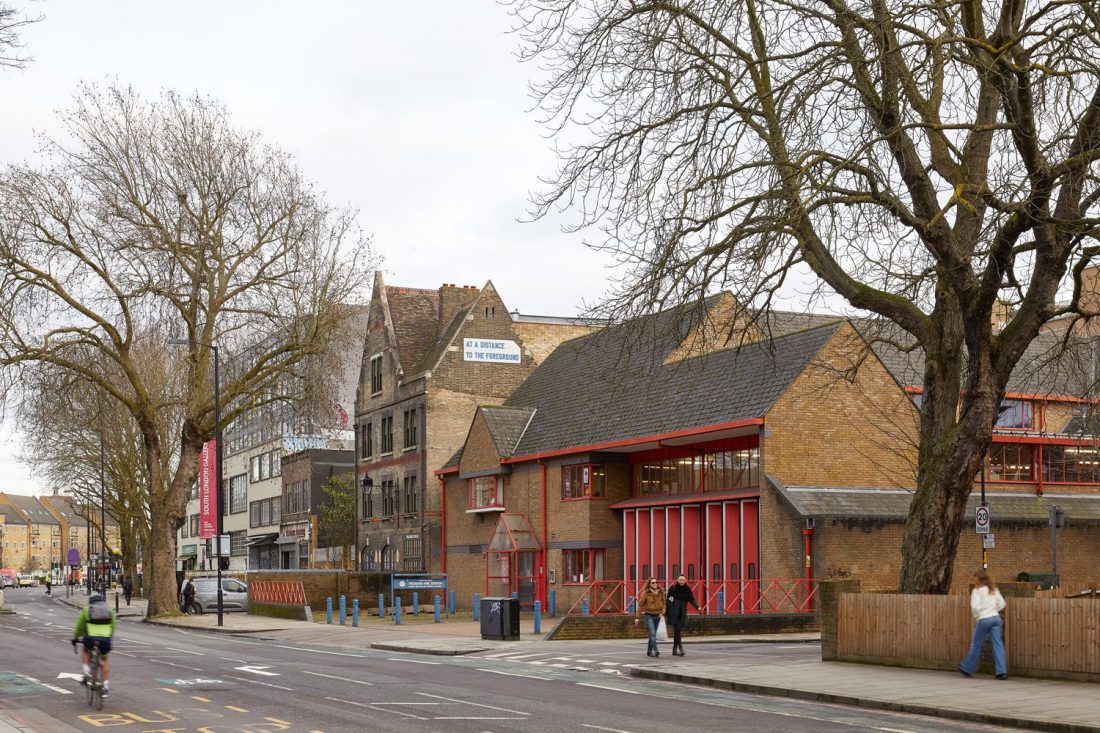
[85, 626]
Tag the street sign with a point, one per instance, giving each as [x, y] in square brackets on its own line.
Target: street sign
[420, 583]
[987, 542]
[981, 520]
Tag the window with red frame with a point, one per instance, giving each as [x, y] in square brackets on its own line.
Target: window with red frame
[1008, 462]
[582, 481]
[1016, 415]
[582, 566]
[1071, 464]
[486, 492]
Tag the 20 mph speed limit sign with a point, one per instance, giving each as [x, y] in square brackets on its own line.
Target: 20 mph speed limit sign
[981, 520]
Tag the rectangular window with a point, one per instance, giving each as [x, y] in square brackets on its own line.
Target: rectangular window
[1010, 462]
[411, 498]
[412, 560]
[486, 492]
[376, 374]
[387, 435]
[582, 566]
[582, 481]
[276, 463]
[254, 514]
[183, 530]
[238, 494]
[1016, 415]
[276, 511]
[1071, 464]
[368, 440]
[194, 525]
[367, 503]
[254, 468]
[237, 543]
[389, 498]
[265, 466]
[410, 428]
[714, 471]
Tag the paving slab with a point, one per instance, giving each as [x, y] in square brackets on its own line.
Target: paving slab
[1024, 703]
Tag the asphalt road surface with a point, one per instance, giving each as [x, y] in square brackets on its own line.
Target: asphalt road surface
[169, 680]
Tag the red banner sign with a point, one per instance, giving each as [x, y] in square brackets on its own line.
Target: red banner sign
[208, 491]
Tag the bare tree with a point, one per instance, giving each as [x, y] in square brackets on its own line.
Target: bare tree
[11, 23]
[162, 218]
[919, 160]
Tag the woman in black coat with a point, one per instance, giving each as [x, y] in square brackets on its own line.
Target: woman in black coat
[679, 596]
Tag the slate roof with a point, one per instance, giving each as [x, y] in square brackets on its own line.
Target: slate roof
[613, 384]
[32, 508]
[443, 337]
[506, 426]
[893, 504]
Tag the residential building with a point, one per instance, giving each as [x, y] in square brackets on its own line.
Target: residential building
[429, 359]
[302, 538]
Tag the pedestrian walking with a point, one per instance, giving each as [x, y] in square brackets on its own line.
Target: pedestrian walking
[679, 596]
[651, 607]
[187, 593]
[49, 585]
[128, 588]
[986, 604]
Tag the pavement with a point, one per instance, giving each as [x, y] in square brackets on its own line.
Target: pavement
[1022, 703]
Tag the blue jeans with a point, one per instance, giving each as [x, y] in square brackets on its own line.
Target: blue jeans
[986, 627]
[651, 623]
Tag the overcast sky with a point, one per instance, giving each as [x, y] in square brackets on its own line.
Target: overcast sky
[415, 112]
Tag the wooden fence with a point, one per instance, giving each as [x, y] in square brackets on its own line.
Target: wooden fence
[1044, 637]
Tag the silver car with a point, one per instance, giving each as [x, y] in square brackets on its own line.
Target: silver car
[234, 595]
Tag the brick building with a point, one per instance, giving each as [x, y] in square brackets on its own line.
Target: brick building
[302, 540]
[653, 448]
[430, 358]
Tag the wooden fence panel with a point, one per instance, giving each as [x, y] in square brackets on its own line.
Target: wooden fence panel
[1053, 635]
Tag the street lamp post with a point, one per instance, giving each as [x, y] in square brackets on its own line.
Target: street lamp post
[102, 510]
[217, 457]
[368, 485]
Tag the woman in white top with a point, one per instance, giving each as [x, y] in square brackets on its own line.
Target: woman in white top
[986, 604]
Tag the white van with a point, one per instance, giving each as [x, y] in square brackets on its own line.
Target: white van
[234, 595]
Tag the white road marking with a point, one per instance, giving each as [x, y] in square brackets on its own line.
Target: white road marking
[257, 682]
[173, 664]
[475, 704]
[70, 676]
[411, 661]
[600, 727]
[513, 657]
[258, 669]
[515, 674]
[185, 651]
[334, 677]
[372, 707]
[231, 659]
[613, 689]
[471, 717]
[43, 684]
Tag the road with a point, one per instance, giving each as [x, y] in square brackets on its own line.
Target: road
[171, 680]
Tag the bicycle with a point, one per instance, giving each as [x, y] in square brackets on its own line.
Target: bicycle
[94, 681]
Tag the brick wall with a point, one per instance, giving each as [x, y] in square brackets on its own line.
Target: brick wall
[322, 584]
[540, 339]
[480, 452]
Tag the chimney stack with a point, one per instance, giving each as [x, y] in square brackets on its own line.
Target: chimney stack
[452, 299]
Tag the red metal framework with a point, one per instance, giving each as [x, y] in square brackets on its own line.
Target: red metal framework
[277, 591]
[729, 597]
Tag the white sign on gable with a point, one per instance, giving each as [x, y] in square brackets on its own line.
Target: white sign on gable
[491, 350]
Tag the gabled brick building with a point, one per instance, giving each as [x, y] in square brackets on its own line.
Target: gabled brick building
[429, 359]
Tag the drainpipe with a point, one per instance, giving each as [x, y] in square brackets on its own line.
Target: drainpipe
[545, 539]
[443, 525]
[808, 533]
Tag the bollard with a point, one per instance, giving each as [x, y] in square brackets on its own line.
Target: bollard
[416, 603]
[515, 595]
[477, 606]
[116, 602]
[553, 604]
[721, 602]
[397, 610]
[437, 609]
[381, 606]
[355, 612]
[630, 605]
[538, 617]
[328, 610]
[584, 606]
[343, 609]
[451, 603]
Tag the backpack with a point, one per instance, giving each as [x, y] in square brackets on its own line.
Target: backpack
[98, 612]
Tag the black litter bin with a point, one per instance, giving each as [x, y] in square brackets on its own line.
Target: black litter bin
[500, 619]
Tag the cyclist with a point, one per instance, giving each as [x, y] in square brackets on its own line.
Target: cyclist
[96, 623]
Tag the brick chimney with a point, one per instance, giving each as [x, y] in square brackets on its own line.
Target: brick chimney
[453, 298]
[1000, 315]
[1090, 289]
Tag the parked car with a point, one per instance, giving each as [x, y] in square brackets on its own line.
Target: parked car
[234, 595]
[25, 581]
[7, 581]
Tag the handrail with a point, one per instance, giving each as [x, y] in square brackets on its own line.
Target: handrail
[722, 597]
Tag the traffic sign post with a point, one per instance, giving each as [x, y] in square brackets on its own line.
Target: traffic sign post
[981, 520]
[988, 542]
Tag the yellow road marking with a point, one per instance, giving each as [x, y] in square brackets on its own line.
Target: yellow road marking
[235, 709]
[169, 689]
[200, 699]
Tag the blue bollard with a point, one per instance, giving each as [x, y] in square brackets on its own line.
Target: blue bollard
[416, 603]
[584, 606]
[397, 610]
[343, 609]
[515, 595]
[451, 603]
[538, 617]
[630, 605]
[328, 610]
[437, 609]
[553, 604]
[477, 607]
[355, 613]
[721, 602]
[381, 606]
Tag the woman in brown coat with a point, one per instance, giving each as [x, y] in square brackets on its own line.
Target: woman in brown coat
[651, 606]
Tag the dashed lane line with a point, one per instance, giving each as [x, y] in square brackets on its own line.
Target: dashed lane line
[600, 727]
[515, 674]
[334, 677]
[412, 661]
[475, 704]
[605, 687]
[235, 709]
[257, 682]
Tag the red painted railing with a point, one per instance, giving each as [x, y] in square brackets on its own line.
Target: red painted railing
[715, 597]
[277, 591]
